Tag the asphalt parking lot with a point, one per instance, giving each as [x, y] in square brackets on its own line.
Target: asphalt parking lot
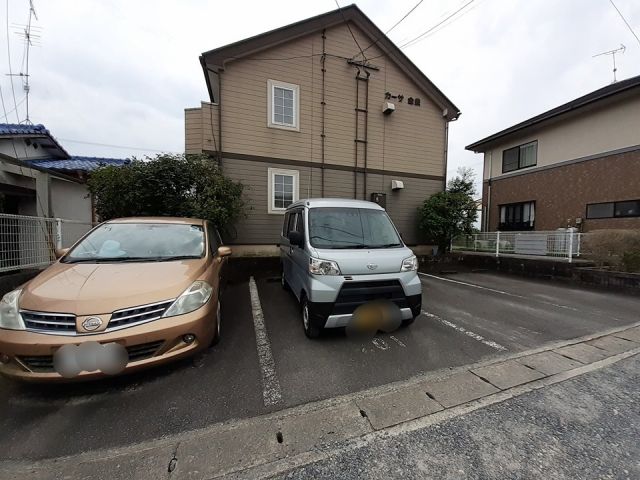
[466, 317]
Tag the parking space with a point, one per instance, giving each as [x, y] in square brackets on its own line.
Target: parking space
[466, 317]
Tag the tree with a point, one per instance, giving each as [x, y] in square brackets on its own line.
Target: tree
[447, 214]
[167, 185]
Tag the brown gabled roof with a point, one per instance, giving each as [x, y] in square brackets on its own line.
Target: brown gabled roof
[214, 60]
[588, 99]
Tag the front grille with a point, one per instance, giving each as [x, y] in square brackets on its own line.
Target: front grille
[49, 322]
[354, 294]
[44, 363]
[141, 314]
[144, 350]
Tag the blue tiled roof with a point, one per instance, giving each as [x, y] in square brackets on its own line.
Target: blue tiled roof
[17, 129]
[86, 164]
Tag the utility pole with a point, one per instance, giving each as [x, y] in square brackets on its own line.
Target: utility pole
[613, 56]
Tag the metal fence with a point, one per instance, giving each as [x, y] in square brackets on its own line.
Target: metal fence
[30, 242]
[559, 243]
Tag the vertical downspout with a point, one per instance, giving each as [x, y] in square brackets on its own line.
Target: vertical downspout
[219, 118]
[323, 105]
[487, 225]
[355, 142]
[366, 138]
[446, 152]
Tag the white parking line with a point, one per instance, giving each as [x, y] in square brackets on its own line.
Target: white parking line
[501, 292]
[271, 393]
[471, 285]
[468, 333]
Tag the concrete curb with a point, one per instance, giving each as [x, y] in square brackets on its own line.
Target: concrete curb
[274, 443]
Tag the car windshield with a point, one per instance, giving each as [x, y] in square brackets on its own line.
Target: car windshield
[139, 242]
[351, 228]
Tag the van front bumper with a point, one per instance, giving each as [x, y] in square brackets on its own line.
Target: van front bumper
[334, 298]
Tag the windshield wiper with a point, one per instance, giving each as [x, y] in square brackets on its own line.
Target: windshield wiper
[386, 245]
[108, 260]
[174, 257]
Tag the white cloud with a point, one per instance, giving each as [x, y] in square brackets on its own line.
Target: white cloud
[121, 72]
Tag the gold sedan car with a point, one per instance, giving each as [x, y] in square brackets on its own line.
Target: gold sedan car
[132, 293]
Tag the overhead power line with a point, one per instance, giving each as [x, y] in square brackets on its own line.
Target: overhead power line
[625, 21]
[13, 92]
[424, 34]
[350, 31]
[124, 147]
[394, 26]
[6, 115]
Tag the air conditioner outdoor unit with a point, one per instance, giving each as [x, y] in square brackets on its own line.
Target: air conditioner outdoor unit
[397, 184]
[388, 108]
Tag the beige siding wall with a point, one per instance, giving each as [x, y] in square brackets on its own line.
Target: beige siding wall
[261, 227]
[606, 128]
[409, 140]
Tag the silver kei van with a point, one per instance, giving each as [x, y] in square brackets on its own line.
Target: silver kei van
[338, 254]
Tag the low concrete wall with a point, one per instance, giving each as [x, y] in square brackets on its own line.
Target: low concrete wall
[532, 267]
[604, 278]
[580, 272]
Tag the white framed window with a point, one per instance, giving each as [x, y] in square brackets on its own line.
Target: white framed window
[283, 189]
[284, 105]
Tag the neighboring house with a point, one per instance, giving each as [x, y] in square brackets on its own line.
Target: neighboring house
[39, 178]
[296, 113]
[577, 165]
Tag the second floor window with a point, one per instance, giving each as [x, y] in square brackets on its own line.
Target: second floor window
[517, 216]
[522, 156]
[283, 105]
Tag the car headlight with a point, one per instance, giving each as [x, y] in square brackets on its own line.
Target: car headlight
[409, 264]
[9, 314]
[323, 267]
[191, 299]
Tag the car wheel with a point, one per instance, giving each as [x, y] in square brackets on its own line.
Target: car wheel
[310, 330]
[408, 321]
[283, 282]
[216, 337]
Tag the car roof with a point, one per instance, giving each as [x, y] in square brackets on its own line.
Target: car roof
[175, 220]
[335, 202]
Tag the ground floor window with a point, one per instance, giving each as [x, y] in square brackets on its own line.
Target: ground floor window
[517, 216]
[627, 208]
[283, 189]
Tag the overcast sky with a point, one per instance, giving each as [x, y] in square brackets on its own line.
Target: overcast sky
[121, 72]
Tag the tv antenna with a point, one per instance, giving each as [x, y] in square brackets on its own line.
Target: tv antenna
[613, 56]
[30, 38]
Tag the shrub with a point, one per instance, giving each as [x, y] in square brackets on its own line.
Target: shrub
[446, 215]
[167, 185]
[619, 249]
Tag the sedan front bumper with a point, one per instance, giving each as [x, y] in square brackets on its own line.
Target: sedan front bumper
[30, 354]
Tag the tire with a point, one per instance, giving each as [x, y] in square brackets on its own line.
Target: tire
[310, 330]
[284, 283]
[408, 321]
[216, 338]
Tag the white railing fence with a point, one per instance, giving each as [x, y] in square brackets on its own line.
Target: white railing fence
[559, 243]
[30, 242]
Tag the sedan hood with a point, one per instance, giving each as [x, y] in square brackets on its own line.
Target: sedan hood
[366, 261]
[91, 289]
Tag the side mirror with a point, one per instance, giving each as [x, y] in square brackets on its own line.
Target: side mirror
[297, 239]
[61, 252]
[224, 251]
